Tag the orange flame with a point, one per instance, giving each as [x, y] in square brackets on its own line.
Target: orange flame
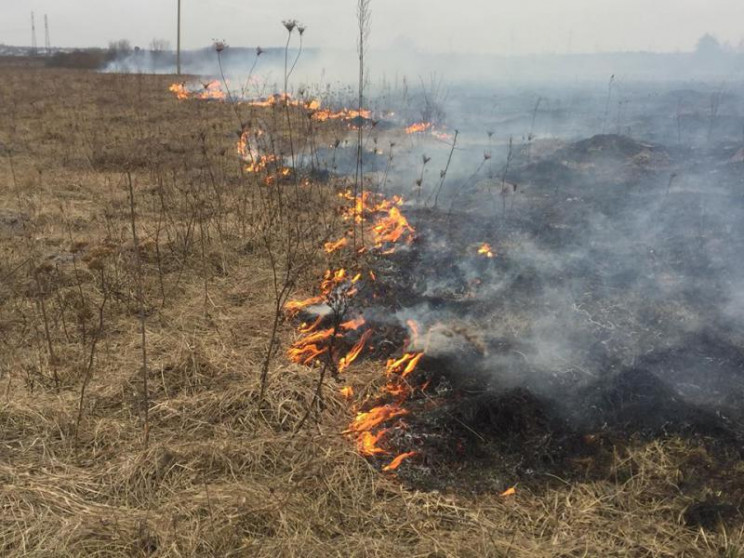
[395, 463]
[294, 306]
[331, 247]
[375, 416]
[367, 443]
[392, 228]
[353, 324]
[418, 127]
[306, 350]
[308, 328]
[347, 392]
[343, 114]
[404, 365]
[212, 90]
[397, 390]
[179, 89]
[485, 250]
[355, 351]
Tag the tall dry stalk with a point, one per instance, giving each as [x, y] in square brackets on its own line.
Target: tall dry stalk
[443, 172]
[97, 334]
[141, 299]
[363, 22]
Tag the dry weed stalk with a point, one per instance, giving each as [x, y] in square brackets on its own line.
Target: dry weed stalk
[364, 26]
[142, 318]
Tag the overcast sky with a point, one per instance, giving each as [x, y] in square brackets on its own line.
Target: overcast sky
[516, 26]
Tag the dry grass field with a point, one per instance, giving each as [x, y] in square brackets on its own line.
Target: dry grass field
[92, 463]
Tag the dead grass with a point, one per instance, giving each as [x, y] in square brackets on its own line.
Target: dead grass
[224, 474]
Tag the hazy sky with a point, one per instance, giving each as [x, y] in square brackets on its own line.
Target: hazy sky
[516, 26]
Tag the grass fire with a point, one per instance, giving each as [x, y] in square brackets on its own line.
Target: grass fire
[361, 291]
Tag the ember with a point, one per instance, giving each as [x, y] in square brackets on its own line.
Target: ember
[485, 250]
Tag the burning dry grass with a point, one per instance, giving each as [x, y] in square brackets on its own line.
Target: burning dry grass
[225, 473]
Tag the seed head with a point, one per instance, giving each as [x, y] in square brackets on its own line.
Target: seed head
[219, 46]
[289, 24]
[259, 51]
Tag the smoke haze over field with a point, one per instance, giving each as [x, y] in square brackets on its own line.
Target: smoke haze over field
[471, 26]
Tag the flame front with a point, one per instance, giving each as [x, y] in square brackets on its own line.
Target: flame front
[418, 127]
[388, 228]
[180, 91]
[211, 90]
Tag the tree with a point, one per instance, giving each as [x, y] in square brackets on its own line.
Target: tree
[708, 45]
[159, 45]
[120, 47]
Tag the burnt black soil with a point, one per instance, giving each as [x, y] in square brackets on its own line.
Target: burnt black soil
[636, 245]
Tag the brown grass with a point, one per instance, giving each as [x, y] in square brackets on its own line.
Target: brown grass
[223, 474]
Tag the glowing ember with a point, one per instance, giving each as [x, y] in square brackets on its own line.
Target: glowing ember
[418, 127]
[510, 491]
[347, 392]
[485, 250]
[399, 391]
[395, 463]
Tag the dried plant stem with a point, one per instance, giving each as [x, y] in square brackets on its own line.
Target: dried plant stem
[141, 299]
[363, 20]
[50, 346]
[91, 355]
[446, 168]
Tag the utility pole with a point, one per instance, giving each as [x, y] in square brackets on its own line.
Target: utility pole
[47, 43]
[33, 35]
[178, 40]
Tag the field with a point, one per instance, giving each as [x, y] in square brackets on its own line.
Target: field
[105, 451]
